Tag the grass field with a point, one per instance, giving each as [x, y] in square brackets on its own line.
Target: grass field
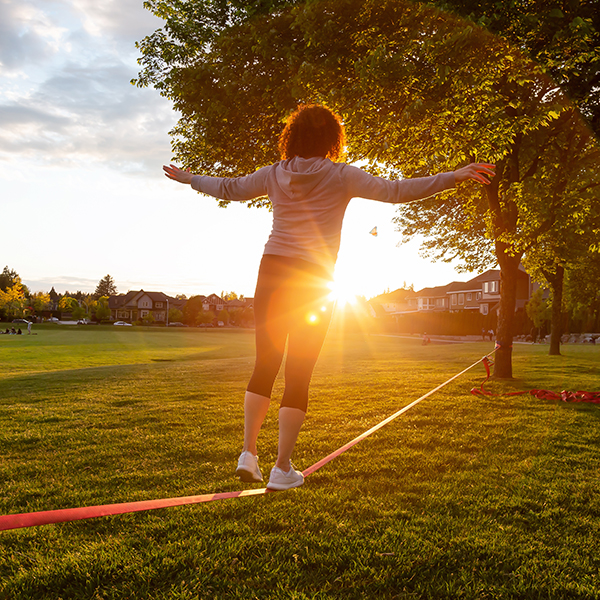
[461, 497]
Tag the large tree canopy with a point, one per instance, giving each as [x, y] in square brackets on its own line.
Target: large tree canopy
[384, 65]
[420, 91]
[562, 37]
[567, 206]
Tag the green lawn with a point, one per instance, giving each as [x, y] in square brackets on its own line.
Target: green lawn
[461, 497]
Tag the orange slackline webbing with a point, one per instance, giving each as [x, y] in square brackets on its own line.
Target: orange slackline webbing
[565, 396]
[88, 512]
[362, 436]
[63, 515]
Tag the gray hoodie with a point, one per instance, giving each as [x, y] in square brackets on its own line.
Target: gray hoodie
[309, 198]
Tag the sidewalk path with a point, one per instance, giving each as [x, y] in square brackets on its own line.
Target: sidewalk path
[438, 339]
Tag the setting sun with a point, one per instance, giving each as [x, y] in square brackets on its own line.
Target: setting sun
[342, 292]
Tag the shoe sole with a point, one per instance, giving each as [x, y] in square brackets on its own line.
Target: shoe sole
[247, 476]
[280, 487]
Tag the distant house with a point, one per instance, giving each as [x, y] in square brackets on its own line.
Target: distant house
[481, 294]
[238, 304]
[401, 300]
[213, 303]
[54, 298]
[134, 306]
[178, 303]
[435, 298]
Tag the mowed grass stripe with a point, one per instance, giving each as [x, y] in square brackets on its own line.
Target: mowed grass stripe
[56, 347]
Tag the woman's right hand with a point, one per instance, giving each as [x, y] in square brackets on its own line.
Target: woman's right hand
[176, 174]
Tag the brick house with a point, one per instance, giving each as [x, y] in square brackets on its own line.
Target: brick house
[134, 306]
[213, 303]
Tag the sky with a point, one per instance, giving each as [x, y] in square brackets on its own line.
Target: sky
[82, 191]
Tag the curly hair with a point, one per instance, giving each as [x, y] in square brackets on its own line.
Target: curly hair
[312, 130]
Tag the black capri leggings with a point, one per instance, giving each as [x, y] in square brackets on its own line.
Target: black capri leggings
[290, 303]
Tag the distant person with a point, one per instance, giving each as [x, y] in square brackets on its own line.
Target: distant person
[19, 332]
[12, 331]
[426, 339]
[29, 328]
[309, 190]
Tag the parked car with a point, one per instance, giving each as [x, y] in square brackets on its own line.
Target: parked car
[53, 320]
[122, 323]
[177, 324]
[83, 322]
[20, 321]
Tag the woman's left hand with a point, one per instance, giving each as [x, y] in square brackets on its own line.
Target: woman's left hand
[481, 172]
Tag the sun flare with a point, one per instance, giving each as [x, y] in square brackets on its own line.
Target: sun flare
[342, 292]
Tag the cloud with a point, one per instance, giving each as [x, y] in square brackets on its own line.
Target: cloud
[123, 19]
[84, 114]
[27, 34]
[64, 283]
[15, 115]
[84, 108]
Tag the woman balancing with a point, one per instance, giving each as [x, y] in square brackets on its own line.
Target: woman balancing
[309, 191]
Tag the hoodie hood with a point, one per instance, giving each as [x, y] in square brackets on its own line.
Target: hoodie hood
[298, 177]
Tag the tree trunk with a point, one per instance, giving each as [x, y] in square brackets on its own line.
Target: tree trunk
[556, 282]
[505, 221]
[509, 267]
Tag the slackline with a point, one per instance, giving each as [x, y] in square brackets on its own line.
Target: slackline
[47, 517]
[565, 395]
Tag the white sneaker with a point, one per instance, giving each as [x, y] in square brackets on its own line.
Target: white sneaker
[248, 470]
[280, 480]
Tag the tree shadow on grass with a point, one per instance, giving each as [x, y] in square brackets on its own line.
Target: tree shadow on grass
[37, 387]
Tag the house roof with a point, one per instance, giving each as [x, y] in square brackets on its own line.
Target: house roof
[214, 299]
[495, 275]
[236, 303]
[491, 275]
[473, 285]
[467, 286]
[120, 300]
[115, 302]
[438, 291]
[399, 295]
[177, 302]
[157, 296]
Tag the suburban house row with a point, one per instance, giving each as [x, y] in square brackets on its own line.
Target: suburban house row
[480, 294]
[135, 305]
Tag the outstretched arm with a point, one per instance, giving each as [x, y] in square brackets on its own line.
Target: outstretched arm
[481, 172]
[176, 174]
[225, 188]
